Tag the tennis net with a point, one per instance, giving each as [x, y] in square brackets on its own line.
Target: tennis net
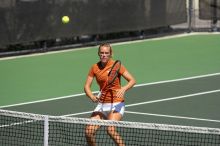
[25, 129]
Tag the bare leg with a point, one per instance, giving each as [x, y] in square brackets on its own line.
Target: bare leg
[91, 129]
[112, 130]
[90, 134]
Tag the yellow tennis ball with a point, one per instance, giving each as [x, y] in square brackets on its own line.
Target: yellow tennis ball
[65, 19]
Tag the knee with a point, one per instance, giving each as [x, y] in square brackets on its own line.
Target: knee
[90, 131]
[111, 131]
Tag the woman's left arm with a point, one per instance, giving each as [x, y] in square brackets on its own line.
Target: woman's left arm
[131, 82]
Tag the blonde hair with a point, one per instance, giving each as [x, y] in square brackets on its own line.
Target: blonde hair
[105, 45]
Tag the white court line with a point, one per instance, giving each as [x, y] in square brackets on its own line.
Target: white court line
[18, 123]
[44, 100]
[76, 114]
[154, 101]
[181, 79]
[139, 85]
[174, 98]
[170, 116]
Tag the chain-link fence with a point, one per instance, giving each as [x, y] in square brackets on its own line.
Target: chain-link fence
[202, 16]
[35, 25]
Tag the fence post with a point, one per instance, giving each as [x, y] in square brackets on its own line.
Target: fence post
[190, 14]
[214, 15]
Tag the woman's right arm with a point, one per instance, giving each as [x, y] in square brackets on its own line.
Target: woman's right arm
[87, 89]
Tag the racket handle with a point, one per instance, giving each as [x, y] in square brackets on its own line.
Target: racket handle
[99, 94]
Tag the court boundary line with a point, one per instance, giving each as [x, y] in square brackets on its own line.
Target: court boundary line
[180, 79]
[154, 101]
[76, 114]
[174, 98]
[81, 94]
[172, 116]
[113, 44]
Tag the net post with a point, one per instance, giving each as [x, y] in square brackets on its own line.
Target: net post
[46, 130]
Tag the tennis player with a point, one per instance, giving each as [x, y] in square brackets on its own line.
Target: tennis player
[110, 105]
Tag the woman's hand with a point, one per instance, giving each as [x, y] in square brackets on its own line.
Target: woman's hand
[94, 98]
[120, 93]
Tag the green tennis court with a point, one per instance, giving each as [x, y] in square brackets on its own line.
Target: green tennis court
[178, 81]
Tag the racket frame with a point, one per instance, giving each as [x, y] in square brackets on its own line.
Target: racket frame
[107, 83]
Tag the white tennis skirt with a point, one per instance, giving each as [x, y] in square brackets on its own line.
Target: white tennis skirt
[106, 108]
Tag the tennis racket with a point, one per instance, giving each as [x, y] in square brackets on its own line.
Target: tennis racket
[112, 75]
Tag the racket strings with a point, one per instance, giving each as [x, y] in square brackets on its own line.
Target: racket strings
[111, 78]
[114, 72]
